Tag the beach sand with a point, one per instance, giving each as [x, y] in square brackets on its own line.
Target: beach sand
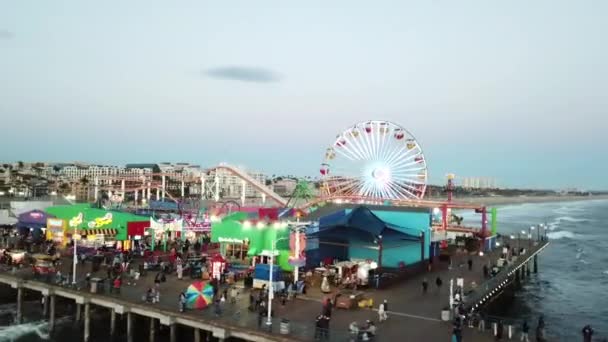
[501, 200]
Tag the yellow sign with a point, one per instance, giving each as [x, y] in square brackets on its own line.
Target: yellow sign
[101, 221]
[76, 221]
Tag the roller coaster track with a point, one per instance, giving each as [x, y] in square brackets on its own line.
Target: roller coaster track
[251, 181]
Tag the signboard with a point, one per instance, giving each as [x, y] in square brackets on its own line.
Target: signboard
[76, 221]
[174, 226]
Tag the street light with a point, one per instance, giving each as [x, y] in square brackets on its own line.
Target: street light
[270, 285]
[75, 238]
[530, 234]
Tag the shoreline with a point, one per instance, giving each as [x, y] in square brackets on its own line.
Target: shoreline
[507, 200]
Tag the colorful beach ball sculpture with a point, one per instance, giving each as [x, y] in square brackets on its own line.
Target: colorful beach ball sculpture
[199, 295]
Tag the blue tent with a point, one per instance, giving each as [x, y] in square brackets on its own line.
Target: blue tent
[361, 234]
[362, 222]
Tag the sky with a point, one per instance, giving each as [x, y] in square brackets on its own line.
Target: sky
[514, 90]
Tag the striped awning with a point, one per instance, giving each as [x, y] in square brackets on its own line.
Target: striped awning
[108, 232]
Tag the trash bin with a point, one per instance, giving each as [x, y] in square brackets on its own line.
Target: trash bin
[284, 328]
[93, 286]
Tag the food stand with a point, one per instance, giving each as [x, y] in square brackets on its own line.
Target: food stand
[56, 231]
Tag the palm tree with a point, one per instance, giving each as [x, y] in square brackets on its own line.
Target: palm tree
[302, 191]
[20, 165]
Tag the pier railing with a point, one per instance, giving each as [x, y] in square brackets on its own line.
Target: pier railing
[512, 329]
[492, 286]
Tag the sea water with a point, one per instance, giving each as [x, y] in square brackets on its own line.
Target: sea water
[571, 288]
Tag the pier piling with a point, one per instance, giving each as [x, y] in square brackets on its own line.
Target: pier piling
[87, 322]
[152, 329]
[197, 335]
[173, 332]
[112, 322]
[536, 263]
[52, 313]
[19, 305]
[78, 312]
[129, 327]
[45, 306]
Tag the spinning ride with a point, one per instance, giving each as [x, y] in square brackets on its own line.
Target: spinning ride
[377, 160]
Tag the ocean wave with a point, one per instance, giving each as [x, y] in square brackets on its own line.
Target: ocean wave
[562, 234]
[572, 219]
[36, 328]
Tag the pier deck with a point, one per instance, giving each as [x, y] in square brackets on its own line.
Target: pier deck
[411, 313]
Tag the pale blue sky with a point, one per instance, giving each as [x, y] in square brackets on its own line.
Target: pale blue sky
[517, 90]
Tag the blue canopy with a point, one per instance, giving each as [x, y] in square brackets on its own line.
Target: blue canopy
[361, 221]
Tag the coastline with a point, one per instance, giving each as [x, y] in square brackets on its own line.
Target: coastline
[506, 200]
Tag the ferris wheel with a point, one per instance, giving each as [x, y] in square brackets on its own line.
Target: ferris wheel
[377, 160]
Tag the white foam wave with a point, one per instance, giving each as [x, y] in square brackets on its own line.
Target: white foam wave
[38, 328]
[605, 272]
[571, 219]
[562, 234]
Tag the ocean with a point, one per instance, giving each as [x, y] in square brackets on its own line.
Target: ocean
[569, 290]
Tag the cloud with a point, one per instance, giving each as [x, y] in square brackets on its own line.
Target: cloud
[244, 74]
[6, 34]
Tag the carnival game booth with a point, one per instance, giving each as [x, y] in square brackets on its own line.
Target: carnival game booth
[372, 242]
[97, 227]
[163, 231]
[249, 241]
[34, 223]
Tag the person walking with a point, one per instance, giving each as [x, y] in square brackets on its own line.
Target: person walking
[470, 263]
[587, 333]
[234, 293]
[525, 328]
[438, 282]
[425, 286]
[540, 329]
[382, 309]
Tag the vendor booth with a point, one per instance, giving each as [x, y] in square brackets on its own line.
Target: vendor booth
[33, 222]
[96, 226]
[56, 231]
[249, 241]
[164, 230]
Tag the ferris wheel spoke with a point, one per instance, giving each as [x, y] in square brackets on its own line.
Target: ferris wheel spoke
[356, 151]
[398, 191]
[371, 140]
[408, 181]
[347, 156]
[411, 160]
[403, 170]
[357, 142]
[402, 189]
[386, 142]
[398, 153]
[344, 185]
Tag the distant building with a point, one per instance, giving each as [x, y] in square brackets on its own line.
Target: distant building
[231, 186]
[285, 187]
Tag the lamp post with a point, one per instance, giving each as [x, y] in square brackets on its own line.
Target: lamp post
[75, 238]
[523, 233]
[270, 285]
[530, 235]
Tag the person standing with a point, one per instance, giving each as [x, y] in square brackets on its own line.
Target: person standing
[587, 333]
[470, 263]
[182, 302]
[180, 267]
[425, 286]
[438, 282]
[499, 330]
[525, 328]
